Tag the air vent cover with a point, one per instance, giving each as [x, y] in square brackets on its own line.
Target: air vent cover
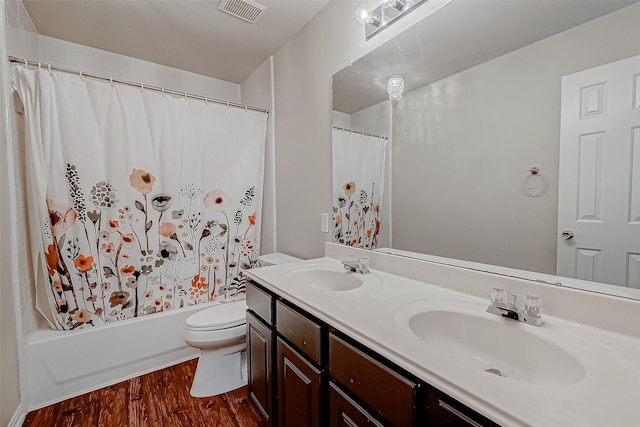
[247, 10]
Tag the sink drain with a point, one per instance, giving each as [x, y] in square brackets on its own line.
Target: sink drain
[495, 372]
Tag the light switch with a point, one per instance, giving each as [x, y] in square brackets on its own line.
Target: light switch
[324, 222]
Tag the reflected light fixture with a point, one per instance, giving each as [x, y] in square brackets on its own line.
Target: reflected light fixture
[381, 17]
[395, 86]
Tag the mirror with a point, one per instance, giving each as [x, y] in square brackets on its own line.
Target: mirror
[481, 109]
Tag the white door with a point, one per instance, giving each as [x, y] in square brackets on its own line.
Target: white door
[599, 187]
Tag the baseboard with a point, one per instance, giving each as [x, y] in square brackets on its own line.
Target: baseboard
[18, 417]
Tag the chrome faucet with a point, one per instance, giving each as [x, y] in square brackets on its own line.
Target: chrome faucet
[505, 309]
[530, 312]
[357, 265]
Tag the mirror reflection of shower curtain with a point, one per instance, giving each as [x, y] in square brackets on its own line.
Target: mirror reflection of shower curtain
[139, 201]
[358, 186]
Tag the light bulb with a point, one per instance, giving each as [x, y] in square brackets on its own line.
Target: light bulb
[386, 3]
[364, 15]
[395, 87]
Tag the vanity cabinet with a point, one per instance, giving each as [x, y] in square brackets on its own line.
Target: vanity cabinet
[305, 373]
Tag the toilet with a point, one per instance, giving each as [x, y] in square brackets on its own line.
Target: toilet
[275, 259]
[220, 334]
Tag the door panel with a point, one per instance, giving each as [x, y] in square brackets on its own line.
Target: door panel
[599, 187]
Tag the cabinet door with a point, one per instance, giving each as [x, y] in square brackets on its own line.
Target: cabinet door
[298, 389]
[259, 365]
[344, 412]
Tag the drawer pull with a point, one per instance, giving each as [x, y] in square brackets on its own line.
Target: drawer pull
[458, 414]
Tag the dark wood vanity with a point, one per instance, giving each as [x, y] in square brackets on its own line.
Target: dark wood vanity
[304, 372]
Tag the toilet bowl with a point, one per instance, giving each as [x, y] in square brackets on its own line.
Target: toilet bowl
[220, 334]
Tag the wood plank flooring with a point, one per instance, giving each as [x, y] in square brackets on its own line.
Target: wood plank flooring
[160, 398]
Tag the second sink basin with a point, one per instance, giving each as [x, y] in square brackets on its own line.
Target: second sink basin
[484, 342]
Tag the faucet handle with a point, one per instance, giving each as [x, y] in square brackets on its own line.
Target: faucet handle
[532, 305]
[497, 295]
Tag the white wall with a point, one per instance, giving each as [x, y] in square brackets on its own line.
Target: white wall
[257, 90]
[17, 36]
[303, 68]
[461, 145]
[341, 120]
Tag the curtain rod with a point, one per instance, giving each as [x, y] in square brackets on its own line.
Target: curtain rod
[360, 133]
[140, 85]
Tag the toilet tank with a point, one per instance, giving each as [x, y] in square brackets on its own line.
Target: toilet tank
[276, 258]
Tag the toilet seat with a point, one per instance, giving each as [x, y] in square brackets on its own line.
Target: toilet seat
[220, 316]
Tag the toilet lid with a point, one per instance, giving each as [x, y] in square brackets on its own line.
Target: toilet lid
[220, 316]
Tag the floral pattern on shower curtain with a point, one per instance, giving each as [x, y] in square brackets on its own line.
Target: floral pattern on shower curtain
[139, 202]
[358, 183]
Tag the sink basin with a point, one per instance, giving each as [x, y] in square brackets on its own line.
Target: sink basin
[497, 346]
[324, 279]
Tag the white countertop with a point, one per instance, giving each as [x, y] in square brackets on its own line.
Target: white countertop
[376, 314]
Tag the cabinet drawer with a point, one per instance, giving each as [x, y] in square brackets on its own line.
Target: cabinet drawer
[444, 411]
[389, 393]
[299, 330]
[260, 303]
[344, 412]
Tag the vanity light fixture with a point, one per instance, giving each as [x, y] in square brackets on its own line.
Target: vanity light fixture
[381, 17]
[398, 4]
[395, 86]
[365, 16]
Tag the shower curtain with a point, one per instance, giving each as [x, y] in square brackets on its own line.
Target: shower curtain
[139, 202]
[358, 184]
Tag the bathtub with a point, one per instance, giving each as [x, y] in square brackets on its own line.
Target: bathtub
[64, 364]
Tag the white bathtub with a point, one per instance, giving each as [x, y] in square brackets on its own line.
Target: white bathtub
[63, 364]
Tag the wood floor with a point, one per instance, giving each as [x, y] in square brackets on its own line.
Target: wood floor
[160, 398]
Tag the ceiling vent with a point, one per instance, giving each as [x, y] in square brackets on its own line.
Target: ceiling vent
[247, 10]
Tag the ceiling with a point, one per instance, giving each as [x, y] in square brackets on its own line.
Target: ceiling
[458, 36]
[191, 35]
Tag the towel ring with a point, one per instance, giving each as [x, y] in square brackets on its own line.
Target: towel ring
[534, 171]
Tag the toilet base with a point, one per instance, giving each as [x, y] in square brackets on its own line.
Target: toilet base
[220, 371]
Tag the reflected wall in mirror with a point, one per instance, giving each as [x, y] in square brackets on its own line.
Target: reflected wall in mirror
[481, 108]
